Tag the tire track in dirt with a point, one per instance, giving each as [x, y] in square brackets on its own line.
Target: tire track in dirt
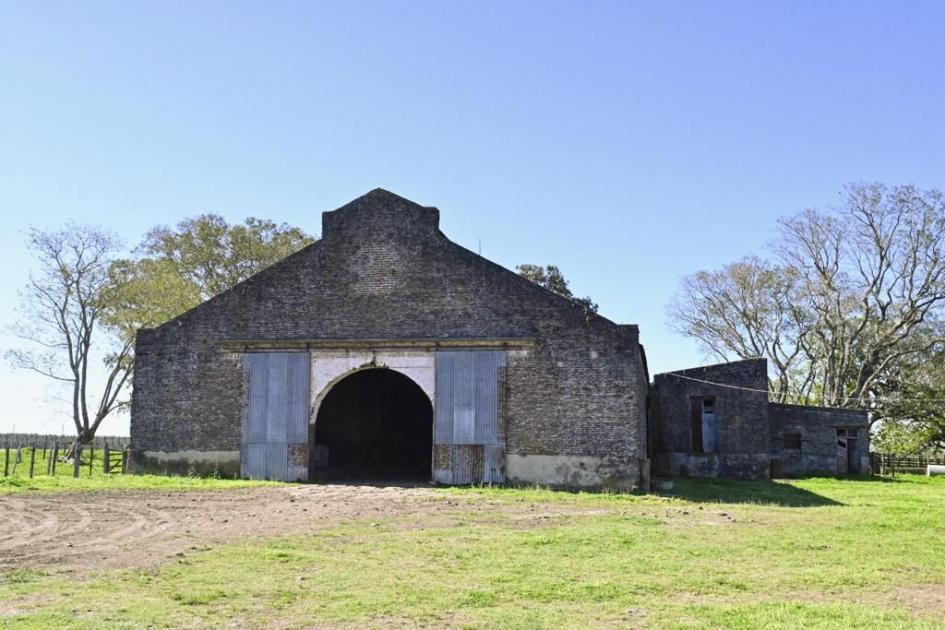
[78, 532]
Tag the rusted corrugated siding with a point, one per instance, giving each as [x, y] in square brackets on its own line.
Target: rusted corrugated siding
[277, 416]
[460, 464]
[467, 437]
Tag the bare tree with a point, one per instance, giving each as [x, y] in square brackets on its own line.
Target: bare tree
[746, 310]
[65, 310]
[843, 308]
[874, 275]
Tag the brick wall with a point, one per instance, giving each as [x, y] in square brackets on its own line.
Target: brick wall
[383, 270]
[817, 427]
[742, 419]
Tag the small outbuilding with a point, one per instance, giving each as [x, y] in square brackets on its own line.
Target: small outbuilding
[717, 421]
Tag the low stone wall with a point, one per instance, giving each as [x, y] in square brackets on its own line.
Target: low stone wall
[731, 465]
[578, 471]
[182, 463]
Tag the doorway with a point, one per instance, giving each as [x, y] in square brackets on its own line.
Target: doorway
[374, 424]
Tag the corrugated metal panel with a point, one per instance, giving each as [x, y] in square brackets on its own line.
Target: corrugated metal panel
[258, 393]
[493, 464]
[442, 466]
[277, 458]
[277, 416]
[297, 467]
[253, 462]
[459, 464]
[443, 407]
[467, 417]
[298, 398]
[487, 396]
[467, 463]
[465, 381]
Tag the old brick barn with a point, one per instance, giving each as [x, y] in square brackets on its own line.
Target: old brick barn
[386, 351]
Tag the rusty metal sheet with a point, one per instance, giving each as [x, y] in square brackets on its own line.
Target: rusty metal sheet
[458, 464]
[297, 469]
[493, 464]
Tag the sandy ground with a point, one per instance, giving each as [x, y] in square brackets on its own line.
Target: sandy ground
[79, 532]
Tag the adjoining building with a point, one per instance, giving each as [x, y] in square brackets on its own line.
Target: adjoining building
[385, 350]
[717, 421]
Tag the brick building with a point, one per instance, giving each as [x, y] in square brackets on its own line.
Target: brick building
[385, 350]
[717, 421]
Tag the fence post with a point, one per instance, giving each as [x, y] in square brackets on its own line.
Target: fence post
[91, 457]
[77, 462]
[32, 460]
[55, 456]
[16, 459]
[124, 461]
[6, 461]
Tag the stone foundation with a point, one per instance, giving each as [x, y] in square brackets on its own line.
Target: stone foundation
[184, 463]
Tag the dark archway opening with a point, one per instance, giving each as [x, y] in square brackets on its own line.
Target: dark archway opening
[374, 424]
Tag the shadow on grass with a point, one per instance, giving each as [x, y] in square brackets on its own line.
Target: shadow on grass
[760, 491]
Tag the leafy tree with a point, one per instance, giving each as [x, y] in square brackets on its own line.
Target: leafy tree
[552, 279]
[86, 303]
[912, 418]
[67, 310]
[179, 268]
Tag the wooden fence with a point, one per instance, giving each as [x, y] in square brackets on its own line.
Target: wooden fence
[40, 440]
[890, 463]
[51, 457]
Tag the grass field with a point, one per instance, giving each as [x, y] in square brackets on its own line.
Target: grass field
[91, 477]
[825, 553]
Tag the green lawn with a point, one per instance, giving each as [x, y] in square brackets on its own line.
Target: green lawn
[91, 477]
[825, 553]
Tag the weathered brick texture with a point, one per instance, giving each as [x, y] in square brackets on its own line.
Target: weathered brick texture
[383, 271]
[817, 429]
[751, 430]
[743, 439]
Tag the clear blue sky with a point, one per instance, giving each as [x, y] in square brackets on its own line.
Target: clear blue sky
[629, 143]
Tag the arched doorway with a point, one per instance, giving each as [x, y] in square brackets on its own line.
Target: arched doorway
[373, 424]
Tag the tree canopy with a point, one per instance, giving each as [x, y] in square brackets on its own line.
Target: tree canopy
[550, 277]
[178, 268]
[86, 301]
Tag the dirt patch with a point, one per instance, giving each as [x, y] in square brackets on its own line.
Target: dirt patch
[118, 529]
[77, 532]
[923, 600]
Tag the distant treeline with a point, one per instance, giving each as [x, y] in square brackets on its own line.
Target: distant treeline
[38, 440]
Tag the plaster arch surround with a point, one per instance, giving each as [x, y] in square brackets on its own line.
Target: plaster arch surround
[331, 366]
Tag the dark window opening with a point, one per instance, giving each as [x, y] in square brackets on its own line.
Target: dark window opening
[848, 450]
[704, 425]
[374, 424]
[792, 441]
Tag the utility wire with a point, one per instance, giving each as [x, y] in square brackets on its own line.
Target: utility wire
[768, 392]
